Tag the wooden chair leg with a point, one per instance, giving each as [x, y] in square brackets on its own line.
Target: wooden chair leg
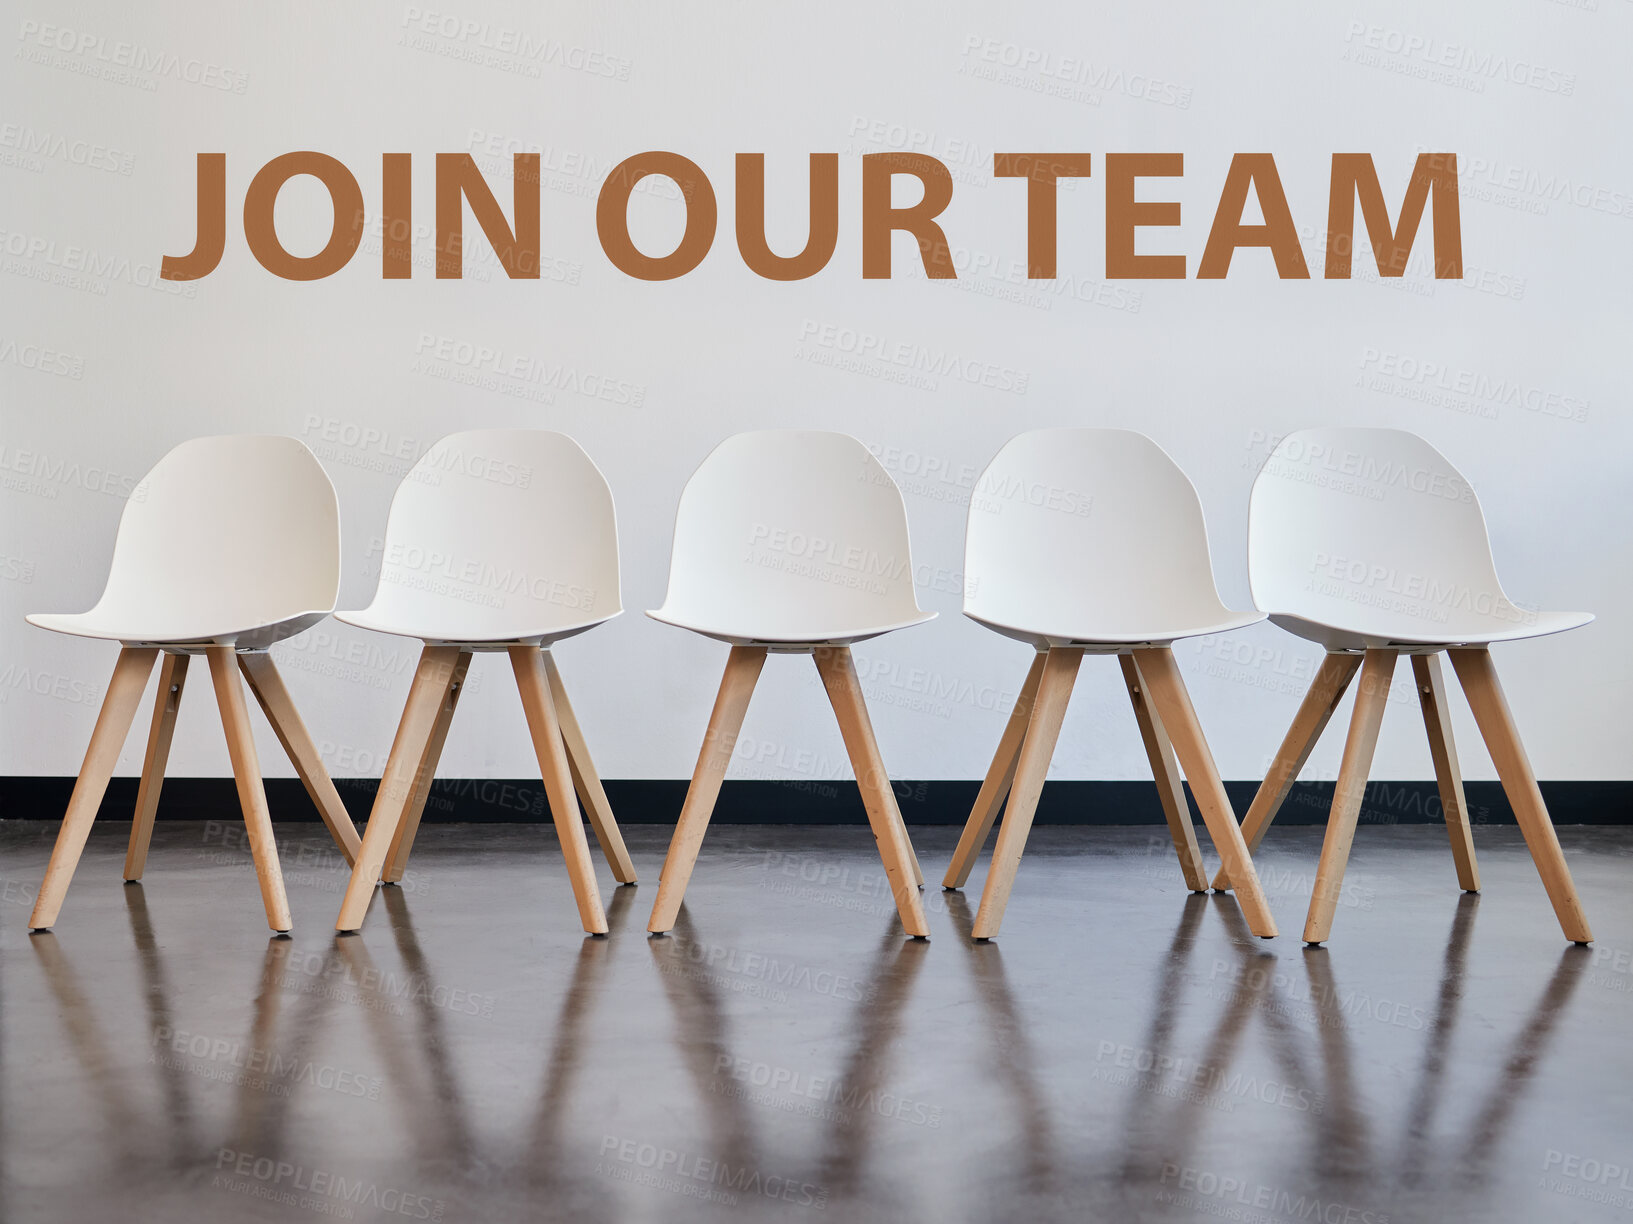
[1173, 706]
[246, 769]
[402, 841]
[913, 860]
[1479, 678]
[587, 782]
[1437, 721]
[432, 677]
[838, 671]
[736, 687]
[113, 721]
[1160, 751]
[268, 686]
[172, 678]
[1000, 776]
[1377, 670]
[528, 664]
[1326, 690]
[1042, 731]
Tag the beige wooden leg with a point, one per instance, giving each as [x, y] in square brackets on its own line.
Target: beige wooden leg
[113, 721]
[528, 664]
[587, 782]
[1479, 678]
[402, 841]
[1326, 690]
[432, 677]
[268, 686]
[1165, 769]
[838, 671]
[736, 687]
[1173, 705]
[1042, 731]
[1437, 721]
[172, 678]
[246, 769]
[1377, 669]
[1000, 776]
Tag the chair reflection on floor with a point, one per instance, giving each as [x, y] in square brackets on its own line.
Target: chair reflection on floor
[877, 1029]
[701, 1036]
[1017, 1061]
[418, 1070]
[553, 1161]
[259, 1117]
[1342, 1149]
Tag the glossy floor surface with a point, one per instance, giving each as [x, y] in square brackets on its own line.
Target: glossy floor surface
[1125, 1051]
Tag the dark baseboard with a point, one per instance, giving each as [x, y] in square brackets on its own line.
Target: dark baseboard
[834, 801]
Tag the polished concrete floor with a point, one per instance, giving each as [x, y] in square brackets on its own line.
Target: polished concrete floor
[1125, 1051]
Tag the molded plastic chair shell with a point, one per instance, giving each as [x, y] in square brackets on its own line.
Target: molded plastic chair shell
[1090, 537]
[228, 540]
[791, 537]
[1364, 538]
[498, 537]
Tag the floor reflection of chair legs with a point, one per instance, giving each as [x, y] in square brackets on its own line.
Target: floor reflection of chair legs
[1156, 1136]
[417, 1068]
[1526, 1053]
[877, 1024]
[261, 1119]
[444, 1085]
[700, 1036]
[157, 993]
[1417, 1134]
[1342, 1152]
[553, 1162]
[124, 1124]
[1016, 1062]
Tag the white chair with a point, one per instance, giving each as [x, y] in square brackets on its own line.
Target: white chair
[792, 542]
[498, 539]
[1092, 541]
[1370, 543]
[228, 545]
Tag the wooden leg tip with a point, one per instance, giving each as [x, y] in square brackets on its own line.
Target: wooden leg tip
[1312, 943]
[39, 930]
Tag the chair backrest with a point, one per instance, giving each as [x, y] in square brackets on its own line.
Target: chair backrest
[500, 533]
[1361, 522]
[798, 534]
[238, 530]
[1093, 527]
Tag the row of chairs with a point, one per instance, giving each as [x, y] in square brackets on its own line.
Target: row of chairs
[1079, 541]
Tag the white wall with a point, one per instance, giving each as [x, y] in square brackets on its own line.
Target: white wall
[1210, 369]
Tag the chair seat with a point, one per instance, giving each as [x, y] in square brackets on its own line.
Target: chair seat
[448, 632]
[1108, 637]
[1388, 630]
[788, 635]
[121, 626]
